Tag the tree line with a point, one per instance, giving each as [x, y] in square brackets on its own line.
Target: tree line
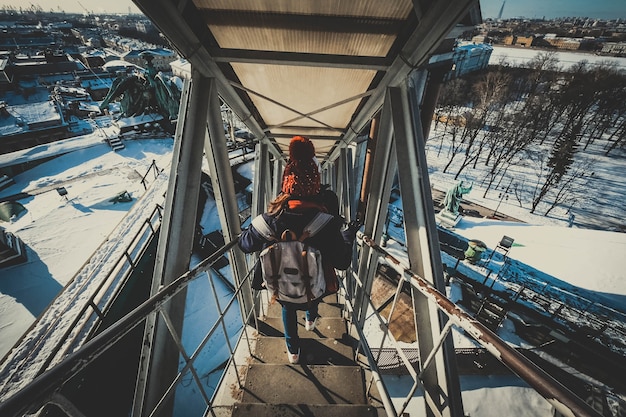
[539, 116]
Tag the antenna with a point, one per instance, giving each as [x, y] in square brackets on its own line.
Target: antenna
[501, 10]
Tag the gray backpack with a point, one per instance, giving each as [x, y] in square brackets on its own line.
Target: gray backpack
[292, 269]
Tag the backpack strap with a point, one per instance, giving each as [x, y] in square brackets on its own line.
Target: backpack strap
[304, 270]
[318, 222]
[263, 228]
[275, 273]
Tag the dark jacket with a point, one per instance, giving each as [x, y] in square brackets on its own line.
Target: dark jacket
[335, 246]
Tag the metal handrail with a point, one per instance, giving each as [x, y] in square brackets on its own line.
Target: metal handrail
[561, 398]
[42, 389]
[133, 252]
[90, 302]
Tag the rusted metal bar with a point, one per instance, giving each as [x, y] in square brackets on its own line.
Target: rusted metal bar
[560, 397]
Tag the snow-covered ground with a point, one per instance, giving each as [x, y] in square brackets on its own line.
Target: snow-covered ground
[518, 56]
[62, 233]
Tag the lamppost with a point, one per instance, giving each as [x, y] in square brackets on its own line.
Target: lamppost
[503, 195]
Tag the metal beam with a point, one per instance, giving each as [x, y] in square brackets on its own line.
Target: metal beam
[382, 168]
[440, 378]
[261, 180]
[216, 153]
[159, 358]
[327, 23]
[375, 63]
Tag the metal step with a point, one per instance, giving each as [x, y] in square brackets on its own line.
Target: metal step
[303, 410]
[313, 351]
[303, 384]
[326, 382]
[327, 327]
[327, 308]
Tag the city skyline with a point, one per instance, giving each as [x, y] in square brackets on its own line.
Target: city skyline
[82, 6]
[537, 9]
[601, 9]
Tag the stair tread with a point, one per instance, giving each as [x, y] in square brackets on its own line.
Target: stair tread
[304, 410]
[325, 309]
[327, 327]
[313, 351]
[297, 384]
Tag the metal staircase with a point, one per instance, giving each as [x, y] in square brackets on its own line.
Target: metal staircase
[326, 382]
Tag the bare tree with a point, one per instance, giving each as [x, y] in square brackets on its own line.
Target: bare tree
[571, 188]
[559, 162]
[490, 93]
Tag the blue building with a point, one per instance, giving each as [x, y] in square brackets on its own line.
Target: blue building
[469, 58]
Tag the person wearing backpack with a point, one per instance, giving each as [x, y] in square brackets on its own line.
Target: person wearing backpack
[295, 215]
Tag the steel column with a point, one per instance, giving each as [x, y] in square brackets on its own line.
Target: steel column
[159, 358]
[440, 378]
[277, 177]
[382, 169]
[342, 187]
[261, 180]
[216, 153]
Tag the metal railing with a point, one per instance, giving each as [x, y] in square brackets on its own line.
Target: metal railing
[91, 292]
[561, 398]
[46, 388]
[238, 334]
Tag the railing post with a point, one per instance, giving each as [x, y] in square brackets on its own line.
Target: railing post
[220, 171]
[160, 354]
[441, 380]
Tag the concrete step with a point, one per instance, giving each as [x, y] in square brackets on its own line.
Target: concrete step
[116, 144]
[312, 352]
[303, 384]
[303, 410]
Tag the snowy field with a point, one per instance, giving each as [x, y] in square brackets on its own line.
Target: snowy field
[61, 234]
[518, 56]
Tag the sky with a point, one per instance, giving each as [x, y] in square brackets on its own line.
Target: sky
[76, 6]
[603, 9]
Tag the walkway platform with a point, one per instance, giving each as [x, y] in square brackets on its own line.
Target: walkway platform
[326, 382]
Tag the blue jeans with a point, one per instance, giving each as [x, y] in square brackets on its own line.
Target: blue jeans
[290, 321]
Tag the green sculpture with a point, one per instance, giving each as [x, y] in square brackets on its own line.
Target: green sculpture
[144, 93]
[454, 195]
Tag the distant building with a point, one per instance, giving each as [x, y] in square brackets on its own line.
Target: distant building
[614, 48]
[570, 44]
[469, 58]
[12, 249]
[524, 41]
[40, 67]
[97, 83]
[161, 58]
[481, 39]
[28, 125]
[181, 68]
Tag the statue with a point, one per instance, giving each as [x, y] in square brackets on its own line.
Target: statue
[450, 214]
[144, 93]
[454, 195]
